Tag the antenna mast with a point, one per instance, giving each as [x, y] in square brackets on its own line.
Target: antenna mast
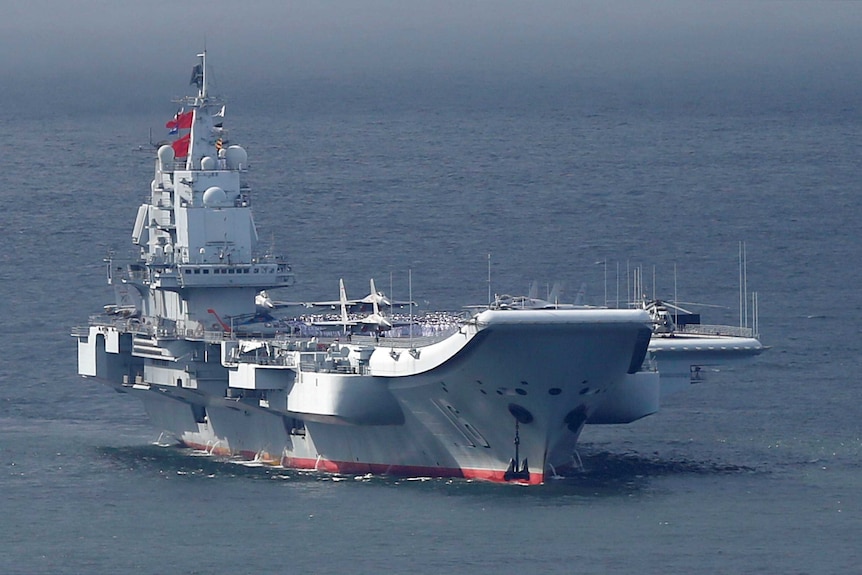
[202, 92]
[605, 262]
[743, 286]
[410, 300]
[490, 301]
[745, 280]
[675, 298]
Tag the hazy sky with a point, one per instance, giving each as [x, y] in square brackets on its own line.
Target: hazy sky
[140, 42]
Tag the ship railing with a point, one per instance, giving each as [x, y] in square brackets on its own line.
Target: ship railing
[321, 362]
[262, 356]
[127, 325]
[185, 164]
[215, 336]
[311, 362]
[81, 330]
[716, 330]
[405, 342]
[323, 341]
[243, 200]
[135, 326]
[265, 257]
[131, 275]
[164, 259]
[138, 328]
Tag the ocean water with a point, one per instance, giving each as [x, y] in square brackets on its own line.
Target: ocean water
[756, 470]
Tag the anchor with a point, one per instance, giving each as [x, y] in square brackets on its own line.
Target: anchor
[514, 472]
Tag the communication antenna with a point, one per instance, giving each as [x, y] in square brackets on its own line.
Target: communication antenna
[628, 284]
[743, 286]
[202, 91]
[490, 301]
[755, 315]
[745, 279]
[410, 301]
[653, 282]
[675, 298]
[605, 262]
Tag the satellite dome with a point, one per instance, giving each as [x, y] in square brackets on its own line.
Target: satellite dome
[215, 197]
[166, 158]
[237, 158]
[208, 163]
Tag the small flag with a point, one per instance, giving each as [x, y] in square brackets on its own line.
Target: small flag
[181, 146]
[182, 121]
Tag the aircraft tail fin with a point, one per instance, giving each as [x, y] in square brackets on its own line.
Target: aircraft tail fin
[375, 307]
[556, 293]
[582, 293]
[342, 296]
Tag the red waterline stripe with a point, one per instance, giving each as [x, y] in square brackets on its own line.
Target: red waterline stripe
[357, 468]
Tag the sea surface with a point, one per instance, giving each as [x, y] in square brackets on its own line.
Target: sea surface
[576, 180]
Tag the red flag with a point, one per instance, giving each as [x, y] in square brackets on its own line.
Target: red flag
[181, 146]
[181, 121]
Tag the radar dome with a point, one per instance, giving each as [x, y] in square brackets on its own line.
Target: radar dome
[215, 197]
[166, 158]
[208, 163]
[237, 158]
